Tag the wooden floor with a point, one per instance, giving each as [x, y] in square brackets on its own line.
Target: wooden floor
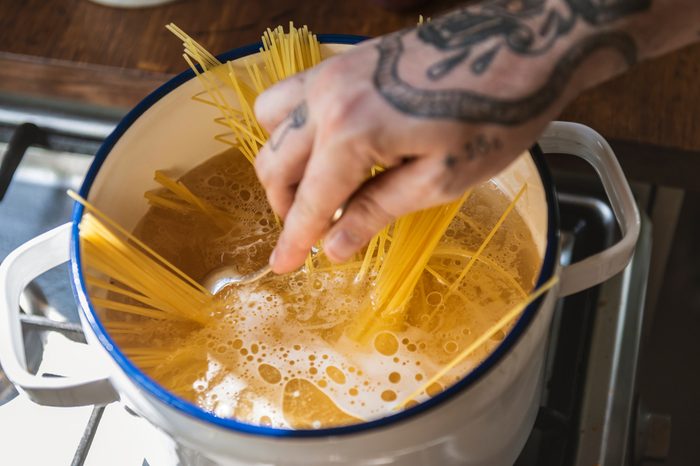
[670, 361]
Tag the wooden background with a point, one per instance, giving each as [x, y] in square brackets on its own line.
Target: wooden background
[80, 51]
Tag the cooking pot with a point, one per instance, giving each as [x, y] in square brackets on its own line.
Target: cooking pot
[484, 419]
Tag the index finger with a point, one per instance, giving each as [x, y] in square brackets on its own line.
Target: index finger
[333, 173]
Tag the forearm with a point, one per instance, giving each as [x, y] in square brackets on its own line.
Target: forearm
[662, 25]
[655, 27]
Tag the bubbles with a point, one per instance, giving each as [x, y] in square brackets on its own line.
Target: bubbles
[450, 347]
[304, 405]
[335, 374]
[394, 377]
[215, 181]
[388, 395]
[433, 389]
[434, 298]
[269, 374]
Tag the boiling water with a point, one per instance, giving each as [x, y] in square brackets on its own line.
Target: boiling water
[280, 354]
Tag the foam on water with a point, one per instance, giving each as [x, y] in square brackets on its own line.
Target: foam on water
[280, 356]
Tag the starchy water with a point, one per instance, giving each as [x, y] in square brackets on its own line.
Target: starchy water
[280, 354]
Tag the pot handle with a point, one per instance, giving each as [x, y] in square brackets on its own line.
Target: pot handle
[17, 270]
[575, 139]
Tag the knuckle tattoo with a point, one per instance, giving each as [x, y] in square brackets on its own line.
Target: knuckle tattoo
[297, 119]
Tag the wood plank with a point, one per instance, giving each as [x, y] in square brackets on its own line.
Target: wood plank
[74, 49]
[95, 84]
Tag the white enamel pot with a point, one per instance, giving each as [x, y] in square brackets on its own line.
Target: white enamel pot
[482, 420]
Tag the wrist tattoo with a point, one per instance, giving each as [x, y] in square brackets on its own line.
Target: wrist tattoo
[296, 119]
[527, 28]
[524, 27]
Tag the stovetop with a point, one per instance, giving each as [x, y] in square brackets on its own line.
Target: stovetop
[588, 408]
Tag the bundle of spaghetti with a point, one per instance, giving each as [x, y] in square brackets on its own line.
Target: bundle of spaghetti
[283, 55]
[140, 282]
[413, 240]
[185, 201]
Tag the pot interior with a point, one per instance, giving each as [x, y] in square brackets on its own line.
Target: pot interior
[176, 133]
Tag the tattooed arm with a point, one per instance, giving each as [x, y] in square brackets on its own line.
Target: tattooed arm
[441, 106]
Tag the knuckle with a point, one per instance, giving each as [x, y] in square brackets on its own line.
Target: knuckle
[356, 152]
[342, 98]
[332, 70]
[339, 110]
[267, 105]
[261, 108]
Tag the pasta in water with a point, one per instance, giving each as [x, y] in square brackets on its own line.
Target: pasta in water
[327, 345]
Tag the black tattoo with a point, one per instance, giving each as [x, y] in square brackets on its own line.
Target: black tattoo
[525, 27]
[474, 107]
[295, 120]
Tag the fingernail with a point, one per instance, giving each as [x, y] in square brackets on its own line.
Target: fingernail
[342, 244]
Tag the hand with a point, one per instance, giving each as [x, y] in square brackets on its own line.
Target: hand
[416, 104]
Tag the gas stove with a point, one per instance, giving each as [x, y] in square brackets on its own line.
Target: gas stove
[589, 413]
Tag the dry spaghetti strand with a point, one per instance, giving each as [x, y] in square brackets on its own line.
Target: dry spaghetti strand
[154, 287]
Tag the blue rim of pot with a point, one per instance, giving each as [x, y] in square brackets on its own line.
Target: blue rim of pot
[144, 382]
